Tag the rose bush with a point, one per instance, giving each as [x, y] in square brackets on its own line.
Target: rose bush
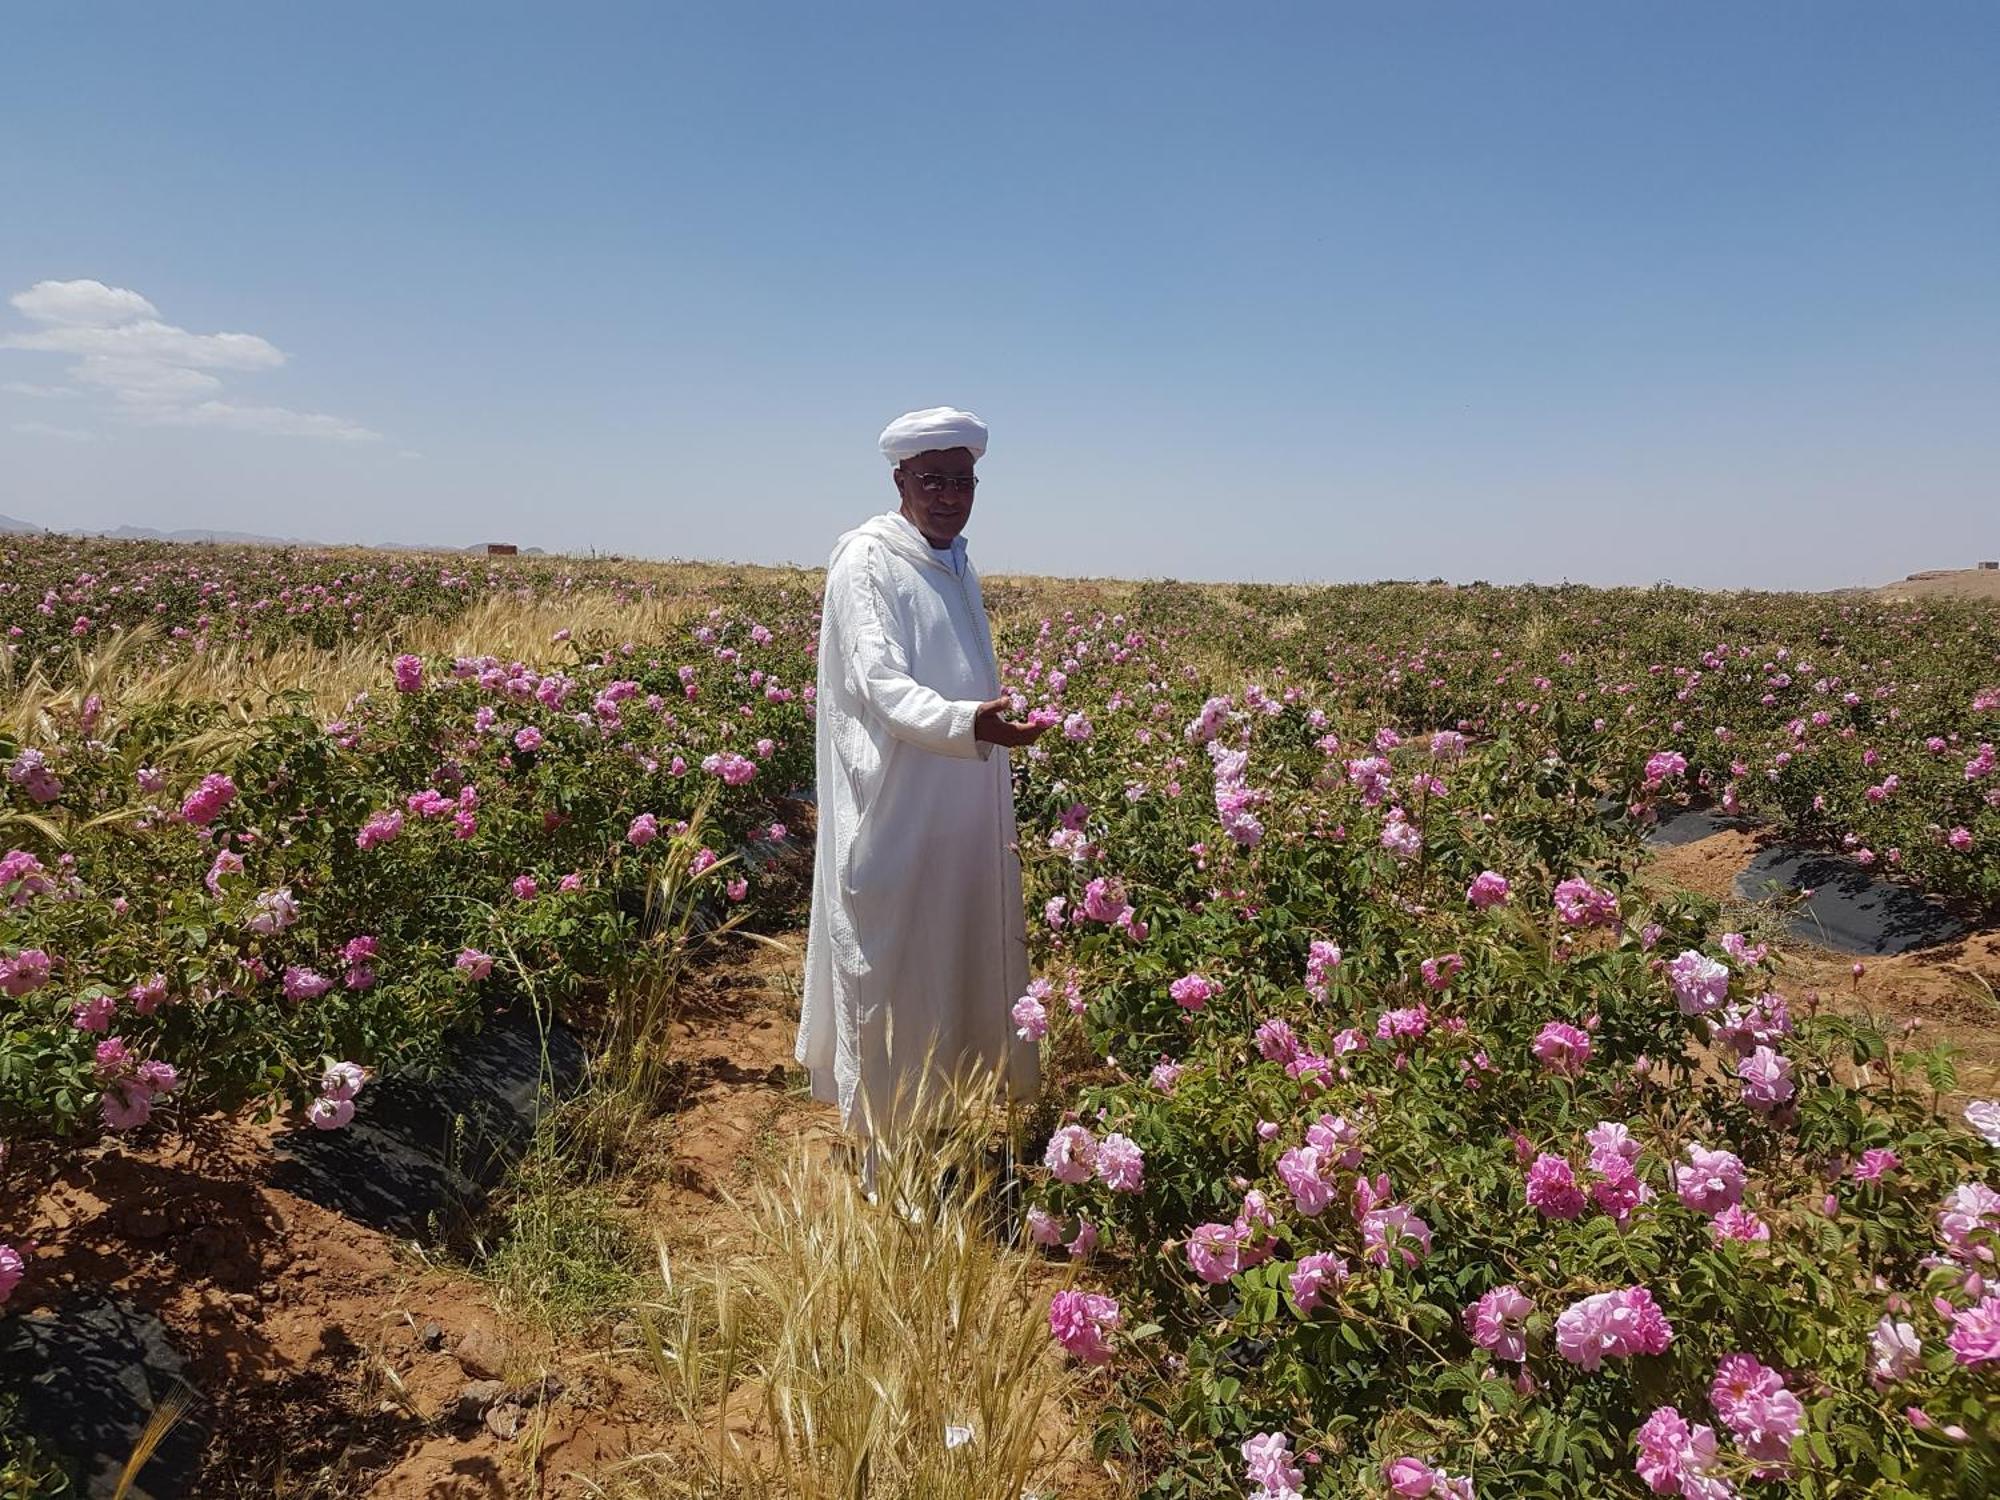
[1420, 1150]
[243, 906]
[59, 592]
[1472, 1166]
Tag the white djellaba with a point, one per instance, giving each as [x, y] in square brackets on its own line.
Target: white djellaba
[917, 947]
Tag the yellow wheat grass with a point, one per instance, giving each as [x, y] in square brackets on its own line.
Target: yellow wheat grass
[139, 665]
[896, 1350]
[165, 1418]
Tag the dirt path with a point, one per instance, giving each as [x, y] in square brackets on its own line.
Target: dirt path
[736, 1115]
[1948, 989]
[333, 1359]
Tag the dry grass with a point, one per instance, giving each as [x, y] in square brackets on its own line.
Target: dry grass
[165, 1417]
[895, 1350]
[1978, 584]
[130, 669]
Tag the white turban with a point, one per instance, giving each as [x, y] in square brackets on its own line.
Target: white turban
[932, 428]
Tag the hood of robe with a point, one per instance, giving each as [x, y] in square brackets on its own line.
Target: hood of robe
[893, 529]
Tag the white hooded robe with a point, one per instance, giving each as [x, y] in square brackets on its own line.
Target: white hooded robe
[917, 947]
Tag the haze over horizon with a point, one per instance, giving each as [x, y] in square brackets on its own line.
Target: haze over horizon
[1292, 293]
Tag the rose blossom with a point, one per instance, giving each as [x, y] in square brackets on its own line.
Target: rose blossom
[1738, 1223]
[381, 828]
[227, 862]
[1071, 1155]
[1413, 1479]
[1710, 1181]
[273, 911]
[1267, 1464]
[1983, 1115]
[1581, 904]
[301, 983]
[1700, 983]
[1322, 958]
[1562, 1048]
[1313, 1276]
[1767, 1079]
[1121, 1164]
[1875, 1165]
[1300, 1170]
[326, 1113]
[1080, 1322]
[1552, 1189]
[1104, 901]
[1438, 972]
[1408, 1022]
[1031, 1018]
[1975, 1332]
[1044, 1228]
[1675, 1458]
[1498, 1322]
[1968, 1222]
[1754, 1405]
[1276, 1042]
[1612, 1325]
[1394, 1231]
[1898, 1351]
[24, 972]
[206, 802]
[1215, 1251]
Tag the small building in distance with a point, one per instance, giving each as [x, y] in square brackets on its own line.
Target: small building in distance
[502, 549]
[1989, 567]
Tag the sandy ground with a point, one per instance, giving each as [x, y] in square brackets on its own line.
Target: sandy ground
[331, 1356]
[1948, 990]
[1945, 583]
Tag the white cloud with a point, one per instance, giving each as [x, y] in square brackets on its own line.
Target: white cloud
[45, 429]
[87, 304]
[42, 392]
[145, 379]
[278, 420]
[408, 453]
[155, 372]
[154, 340]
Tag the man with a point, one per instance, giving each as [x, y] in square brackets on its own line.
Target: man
[917, 947]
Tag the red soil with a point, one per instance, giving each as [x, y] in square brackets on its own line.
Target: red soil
[1948, 990]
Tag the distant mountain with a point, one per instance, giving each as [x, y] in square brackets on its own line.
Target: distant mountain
[11, 527]
[149, 534]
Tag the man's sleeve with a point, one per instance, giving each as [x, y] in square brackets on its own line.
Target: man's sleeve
[878, 665]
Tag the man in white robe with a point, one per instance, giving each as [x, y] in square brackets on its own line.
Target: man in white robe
[917, 947]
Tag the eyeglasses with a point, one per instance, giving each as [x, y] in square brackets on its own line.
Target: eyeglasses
[937, 484]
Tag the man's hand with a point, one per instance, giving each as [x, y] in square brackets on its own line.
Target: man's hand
[989, 726]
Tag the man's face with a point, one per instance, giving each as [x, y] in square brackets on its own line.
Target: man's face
[937, 492]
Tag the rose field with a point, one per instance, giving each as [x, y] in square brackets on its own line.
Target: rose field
[1414, 1122]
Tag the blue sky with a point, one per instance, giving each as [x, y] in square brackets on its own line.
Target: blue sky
[1608, 292]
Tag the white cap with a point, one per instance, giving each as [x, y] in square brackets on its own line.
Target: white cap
[933, 428]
